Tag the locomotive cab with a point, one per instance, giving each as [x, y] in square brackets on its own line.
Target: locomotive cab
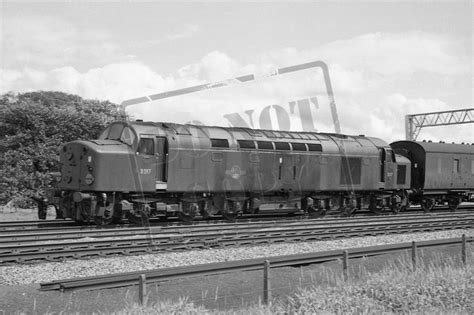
[394, 169]
[393, 173]
[149, 153]
[99, 176]
[151, 156]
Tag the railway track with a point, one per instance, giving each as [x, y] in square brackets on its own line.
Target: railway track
[58, 224]
[34, 235]
[129, 241]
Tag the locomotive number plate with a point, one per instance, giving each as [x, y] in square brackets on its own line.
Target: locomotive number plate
[145, 171]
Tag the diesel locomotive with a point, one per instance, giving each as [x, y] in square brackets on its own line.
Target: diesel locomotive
[137, 170]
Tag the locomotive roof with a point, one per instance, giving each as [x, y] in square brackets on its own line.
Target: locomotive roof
[235, 138]
[244, 133]
[437, 147]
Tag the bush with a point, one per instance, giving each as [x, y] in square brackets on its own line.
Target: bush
[33, 128]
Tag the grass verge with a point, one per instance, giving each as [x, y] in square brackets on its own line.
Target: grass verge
[10, 213]
[438, 286]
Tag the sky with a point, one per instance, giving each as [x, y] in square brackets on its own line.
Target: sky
[385, 59]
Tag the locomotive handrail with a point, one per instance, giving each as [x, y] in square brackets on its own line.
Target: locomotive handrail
[162, 274]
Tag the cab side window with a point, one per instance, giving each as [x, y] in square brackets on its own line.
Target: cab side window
[128, 136]
[146, 147]
[390, 156]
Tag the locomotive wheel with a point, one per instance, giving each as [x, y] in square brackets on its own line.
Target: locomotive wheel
[231, 210]
[185, 217]
[205, 214]
[427, 204]
[140, 218]
[453, 204]
[377, 206]
[316, 212]
[108, 216]
[376, 210]
[396, 207]
[328, 205]
[348, 210]
[84, 213]
[208, 209]
[189, 211]
[102, 221]
[140, 214]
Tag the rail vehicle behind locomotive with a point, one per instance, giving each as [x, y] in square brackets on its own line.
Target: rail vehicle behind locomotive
[440, 172]
[143, 169]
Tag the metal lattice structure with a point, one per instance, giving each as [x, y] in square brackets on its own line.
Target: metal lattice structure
[414, 123]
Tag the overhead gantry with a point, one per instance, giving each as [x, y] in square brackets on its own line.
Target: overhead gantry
[414, 123]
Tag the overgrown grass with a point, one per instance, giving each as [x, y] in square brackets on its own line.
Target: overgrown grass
[12, 213]
[182, 306]
[437, 287]
[440, 286]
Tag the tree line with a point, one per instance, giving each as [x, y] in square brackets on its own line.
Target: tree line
[33, 128]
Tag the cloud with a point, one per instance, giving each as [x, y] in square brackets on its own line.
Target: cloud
[400, 53]
[368, 74]
[377, 78]
[386, 119]
[388, 54]
[114, 82]
[186, 31]
[45, 42]
[214, 66]
[397, 106]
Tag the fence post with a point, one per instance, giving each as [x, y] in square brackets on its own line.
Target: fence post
[345, 264]
[413, 255]
[141, 289]
[463, 250]
[266, 282]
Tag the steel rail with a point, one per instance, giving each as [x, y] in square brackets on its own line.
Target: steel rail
[164, 274]
[211, 232]
[54, 225]
[151, 244]
[18, 228]
[19, 238]
[67, 223]
[26, 225]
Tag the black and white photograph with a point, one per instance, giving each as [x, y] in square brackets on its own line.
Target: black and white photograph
[236, 157]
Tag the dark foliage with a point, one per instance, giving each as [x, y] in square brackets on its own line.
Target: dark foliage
[33, 128]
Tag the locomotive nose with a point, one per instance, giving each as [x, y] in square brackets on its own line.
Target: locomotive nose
[76, 160]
